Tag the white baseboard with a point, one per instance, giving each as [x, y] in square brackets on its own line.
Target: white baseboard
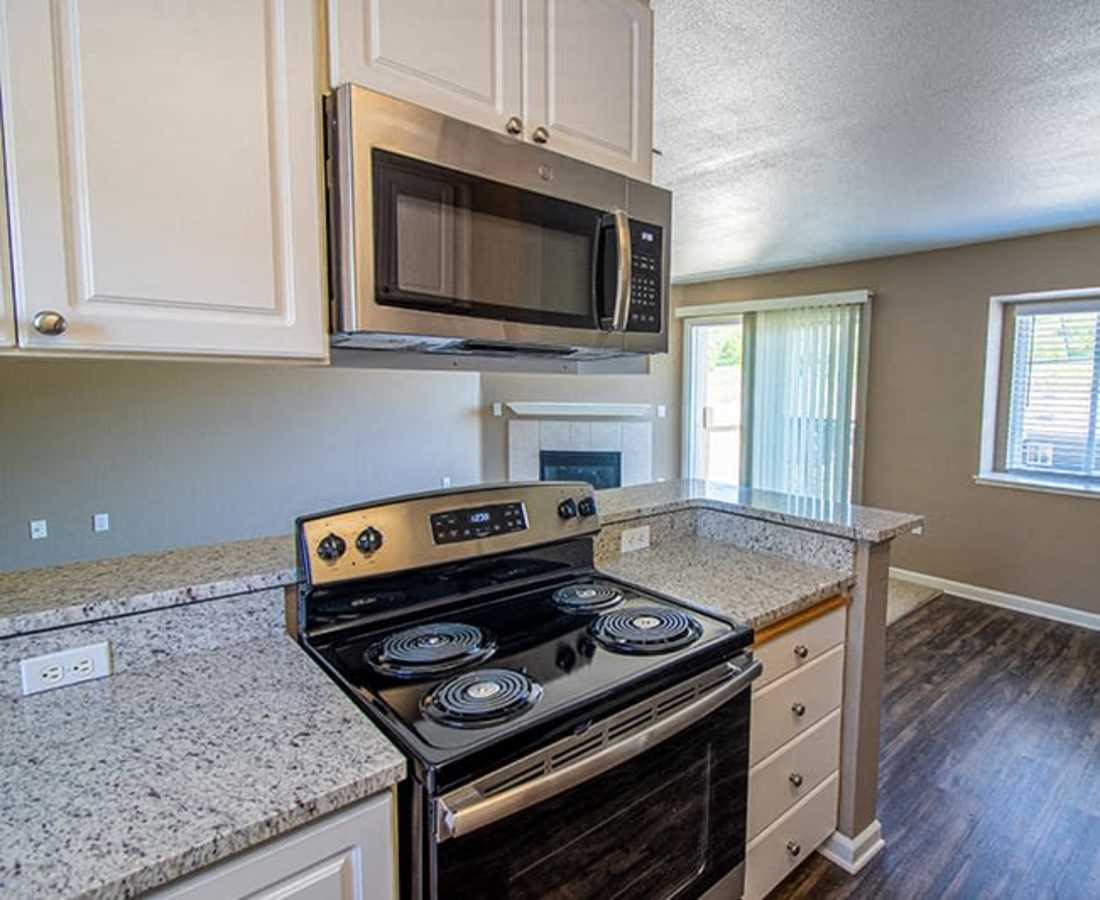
[852, 854]
[1026, 605]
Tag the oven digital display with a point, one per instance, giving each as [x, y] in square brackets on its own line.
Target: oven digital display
[476, 523]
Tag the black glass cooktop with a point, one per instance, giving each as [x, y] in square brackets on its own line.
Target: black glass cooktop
[459, 676]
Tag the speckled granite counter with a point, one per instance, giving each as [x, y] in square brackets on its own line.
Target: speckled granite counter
[36, 599]
[858, 523]
[110, 788]
[749, 586]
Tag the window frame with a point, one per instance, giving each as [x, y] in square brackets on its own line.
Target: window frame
[993, 470]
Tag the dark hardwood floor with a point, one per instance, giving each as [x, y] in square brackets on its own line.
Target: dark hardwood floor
[990, 766]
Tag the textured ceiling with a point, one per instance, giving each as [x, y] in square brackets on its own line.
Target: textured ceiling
[797, 132]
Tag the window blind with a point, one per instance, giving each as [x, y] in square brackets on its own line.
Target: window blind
[803, 408]
[1054, 391]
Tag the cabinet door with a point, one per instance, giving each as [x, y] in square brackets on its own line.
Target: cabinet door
[458, 57]
[591, 80]
[346, 856]
[7, 310]
[165, 173]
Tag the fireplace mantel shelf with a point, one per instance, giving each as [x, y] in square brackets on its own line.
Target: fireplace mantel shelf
[576, 410]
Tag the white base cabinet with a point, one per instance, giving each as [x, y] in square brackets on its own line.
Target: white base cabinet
[164, 175]
[349, 855]
[575, 75]
[794, 751]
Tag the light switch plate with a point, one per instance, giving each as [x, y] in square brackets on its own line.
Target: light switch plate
[65, 667]
[634, 539]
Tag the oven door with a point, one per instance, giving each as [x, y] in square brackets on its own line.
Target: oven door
[656, 813]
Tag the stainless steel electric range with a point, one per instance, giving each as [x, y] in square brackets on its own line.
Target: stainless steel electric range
[569, 735]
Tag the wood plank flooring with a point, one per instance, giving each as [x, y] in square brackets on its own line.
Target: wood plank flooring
[990, 766]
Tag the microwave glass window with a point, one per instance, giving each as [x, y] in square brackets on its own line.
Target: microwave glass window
[452, 242]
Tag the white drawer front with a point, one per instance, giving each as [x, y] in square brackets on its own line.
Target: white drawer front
[779, 781]
[815, 690]
[772, 856]
[800, 646]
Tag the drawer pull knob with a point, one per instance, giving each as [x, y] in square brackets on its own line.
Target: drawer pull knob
[798, 709]
[794, 848]
[514, 125]
[796, 779]
[49, 323]
[801, 651]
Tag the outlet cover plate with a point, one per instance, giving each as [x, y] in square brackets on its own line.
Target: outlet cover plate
[634, 539]
[65, 667]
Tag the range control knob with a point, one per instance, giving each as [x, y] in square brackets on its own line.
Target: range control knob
[587, 506]
[369, 540]
[567, 509]
[331, 547]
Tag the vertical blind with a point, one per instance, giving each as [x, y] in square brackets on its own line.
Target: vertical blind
[1054, 391]
[803, 405]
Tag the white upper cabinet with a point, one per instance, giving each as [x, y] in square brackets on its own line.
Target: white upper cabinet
[7, 309]
[165, 176]
[458, 57]
[575, 75]
[591, 84]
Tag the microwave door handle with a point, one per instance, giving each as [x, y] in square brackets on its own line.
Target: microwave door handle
[466, 809]
[621, 314]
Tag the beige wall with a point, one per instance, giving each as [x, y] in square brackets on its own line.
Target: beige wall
[180, 454]
[661, 386]
[924, 406]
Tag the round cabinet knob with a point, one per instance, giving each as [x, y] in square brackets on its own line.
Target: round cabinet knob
[540, 135]
[794, 848]
[369, 540]
[331, 547]
[514, 125]
[49, 322]
[801, 651]
[586, 507]
[798, 709]
[567, 509]
[795, 779]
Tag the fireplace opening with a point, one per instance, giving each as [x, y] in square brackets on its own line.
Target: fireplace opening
[600, 468]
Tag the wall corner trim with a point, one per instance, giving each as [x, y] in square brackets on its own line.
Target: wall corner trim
[852, 854]
[1027, 605]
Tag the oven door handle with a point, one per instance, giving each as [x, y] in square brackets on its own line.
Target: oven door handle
[466, 809]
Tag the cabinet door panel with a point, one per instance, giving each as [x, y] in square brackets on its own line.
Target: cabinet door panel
[346, 856]
[591, 78]
[165, 163]
[458, 57]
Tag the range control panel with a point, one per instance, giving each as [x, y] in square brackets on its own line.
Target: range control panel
[646, 282]
[475, 522]
[443, 527]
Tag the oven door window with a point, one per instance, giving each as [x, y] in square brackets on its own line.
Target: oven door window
[452, 242]
[667, 823]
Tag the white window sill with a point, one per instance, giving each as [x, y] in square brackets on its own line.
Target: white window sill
[1043, 485]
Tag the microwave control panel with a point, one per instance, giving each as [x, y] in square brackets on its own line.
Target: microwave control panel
[645, 277]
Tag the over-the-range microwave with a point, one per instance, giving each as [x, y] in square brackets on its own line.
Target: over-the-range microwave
[449, 238]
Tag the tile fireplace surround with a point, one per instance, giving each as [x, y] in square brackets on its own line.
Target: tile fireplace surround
[528, 436]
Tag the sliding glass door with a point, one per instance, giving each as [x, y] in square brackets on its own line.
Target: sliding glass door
[716, 371]
[774, 396]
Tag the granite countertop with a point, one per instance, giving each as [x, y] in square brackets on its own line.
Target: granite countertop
[845, 520]
[36, 599]
[113, 787]
[750, 587]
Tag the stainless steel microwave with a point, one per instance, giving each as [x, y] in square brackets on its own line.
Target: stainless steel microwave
[446, 237]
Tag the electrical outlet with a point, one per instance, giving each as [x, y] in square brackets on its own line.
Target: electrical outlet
[65, 667]
[39, 530]
[445, 481]
[101, 522]
[634, 539]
